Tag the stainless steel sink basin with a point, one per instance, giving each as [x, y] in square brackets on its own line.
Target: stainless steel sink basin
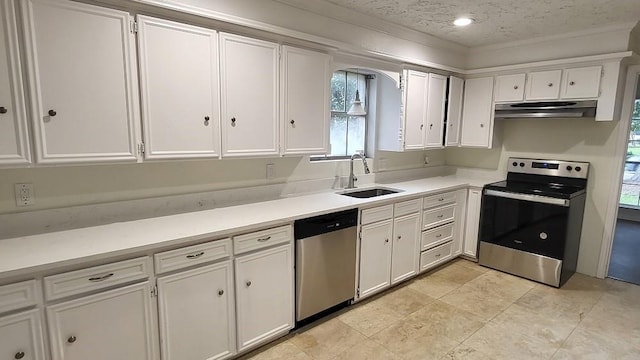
[369, 193]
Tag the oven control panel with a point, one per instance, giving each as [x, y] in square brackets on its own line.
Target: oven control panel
[573, 169]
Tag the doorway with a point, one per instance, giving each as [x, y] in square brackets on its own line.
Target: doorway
[625, 251]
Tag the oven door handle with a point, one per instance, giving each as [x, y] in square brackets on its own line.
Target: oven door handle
[527, 197]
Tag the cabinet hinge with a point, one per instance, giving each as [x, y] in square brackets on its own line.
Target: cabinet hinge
[134, 27]
[360, 234]
[141, 149]
[358, 292]
[154, 291]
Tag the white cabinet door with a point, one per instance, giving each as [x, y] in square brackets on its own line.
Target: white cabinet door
[179, 87]
[477, 113]
[249, 96]
[543, 85]
[581, 83]
[14, 145]
[197, 313]
[454, 111]
[115, 324]
[81, 77]
[375, 257]
[264, 286]
[510, 87]
[436, 97]
[415, 109]
[472, 223]
[305, 101]
[405, 259]
[458, 225]
[21, 336]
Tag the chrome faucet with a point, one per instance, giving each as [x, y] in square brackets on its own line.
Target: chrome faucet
[352, 177]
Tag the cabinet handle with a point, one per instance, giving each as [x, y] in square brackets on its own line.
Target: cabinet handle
[195, 256]
[430, 126]
[233, 121]
[3, 110]
[440, 216]
[19, 355]
[399, 237]
[206, 120]
[482, 125]
[264, 239]
[220, 292]
[550, 84]
[71, 339]
[99, 278]
[441, 199]
[515, 87]
[572, 83]
[52, 112]
[421, 126]
[386, 241]
[292, 122]
[438, 255]
[438, 236]
[248, 283]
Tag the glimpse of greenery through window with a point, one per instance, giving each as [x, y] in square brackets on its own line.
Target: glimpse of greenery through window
[630, 194]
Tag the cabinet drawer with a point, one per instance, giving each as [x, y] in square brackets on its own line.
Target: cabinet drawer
[435, 256]
[438, 216]
[406, 207]
[439, 199]
[437, 236]
[192, 255]
[95, 278]
[379, 213]
[261, 239]
[17, 296]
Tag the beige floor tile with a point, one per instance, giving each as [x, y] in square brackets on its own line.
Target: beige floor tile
[538, 325]
[585, 345]
[434, 286]
[557, 304]
[371, 317]
[503, 286]
[366, 350]
[404, 300]
[443, 319]
[283, 350]
[445, 279]
[412, 340]
[464, 352]
[500, 342]
[613, 318]
[328, 339]
[470, 264]
[476, 301]
[458, 273]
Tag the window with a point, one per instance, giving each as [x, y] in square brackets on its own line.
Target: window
[630, 194]
[347, 133]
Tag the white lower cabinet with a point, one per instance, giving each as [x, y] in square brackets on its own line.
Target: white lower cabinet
[375, 257]
[406, 247]
[21, 336]
[114, 324]
[264, 292]
[472, 223]
[197, 313]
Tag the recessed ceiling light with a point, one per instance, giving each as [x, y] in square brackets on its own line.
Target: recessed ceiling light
[463, 21]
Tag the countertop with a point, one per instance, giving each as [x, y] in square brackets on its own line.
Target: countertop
[25, 255]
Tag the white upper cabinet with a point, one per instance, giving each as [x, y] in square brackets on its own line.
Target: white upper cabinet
[415, 109]
[543, 85]
[579, 83]
[305, 101]
[249, 75]
[509, 88]
[477, 113]
[179, 87]
[14, 146]
[81, 76]
[436, 98]
[454, 111]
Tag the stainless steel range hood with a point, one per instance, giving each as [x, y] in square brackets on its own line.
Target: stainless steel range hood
[547, 109]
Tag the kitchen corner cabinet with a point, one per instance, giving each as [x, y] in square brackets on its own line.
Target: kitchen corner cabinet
[454, 111]
[470, 247]
[477, 113]
[249, 73]
[264, 292]
[21, 336]
[305, 86]
[14, 143]
[179, 89]
[82, 85]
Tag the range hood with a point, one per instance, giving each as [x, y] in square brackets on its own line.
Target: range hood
[547, 109]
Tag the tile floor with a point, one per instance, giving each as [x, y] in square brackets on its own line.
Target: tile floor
[465, 311]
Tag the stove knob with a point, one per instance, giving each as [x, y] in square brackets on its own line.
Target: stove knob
[521, 164]
[514, 163]
[569, 168]
[578, 168]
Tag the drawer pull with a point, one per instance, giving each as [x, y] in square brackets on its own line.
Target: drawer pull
[248, 283]
[71, 339]
[440, 216]
[441, 199]
[439, 236]
[438, 255]
[19, 355]
[264, 239]
[100, 278]
[399, 237]
[195, 256]
[220, 292]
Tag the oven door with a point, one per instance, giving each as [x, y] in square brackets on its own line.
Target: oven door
[531, 223]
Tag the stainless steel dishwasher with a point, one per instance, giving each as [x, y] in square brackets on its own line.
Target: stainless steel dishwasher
[325, 262]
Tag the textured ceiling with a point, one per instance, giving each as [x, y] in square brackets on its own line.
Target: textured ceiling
[498, 21]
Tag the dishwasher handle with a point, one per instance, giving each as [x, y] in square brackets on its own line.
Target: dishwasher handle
[323, 224]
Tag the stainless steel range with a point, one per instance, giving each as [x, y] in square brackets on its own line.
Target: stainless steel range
[530, 224]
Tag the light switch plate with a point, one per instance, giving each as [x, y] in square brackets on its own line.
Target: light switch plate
[24, 194]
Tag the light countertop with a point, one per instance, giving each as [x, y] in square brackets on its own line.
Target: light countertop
[21, 256]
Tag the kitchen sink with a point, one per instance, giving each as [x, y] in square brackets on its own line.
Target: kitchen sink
[369, 193]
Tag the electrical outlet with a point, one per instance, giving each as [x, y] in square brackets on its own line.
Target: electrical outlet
[24, 194]
[270, 171]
